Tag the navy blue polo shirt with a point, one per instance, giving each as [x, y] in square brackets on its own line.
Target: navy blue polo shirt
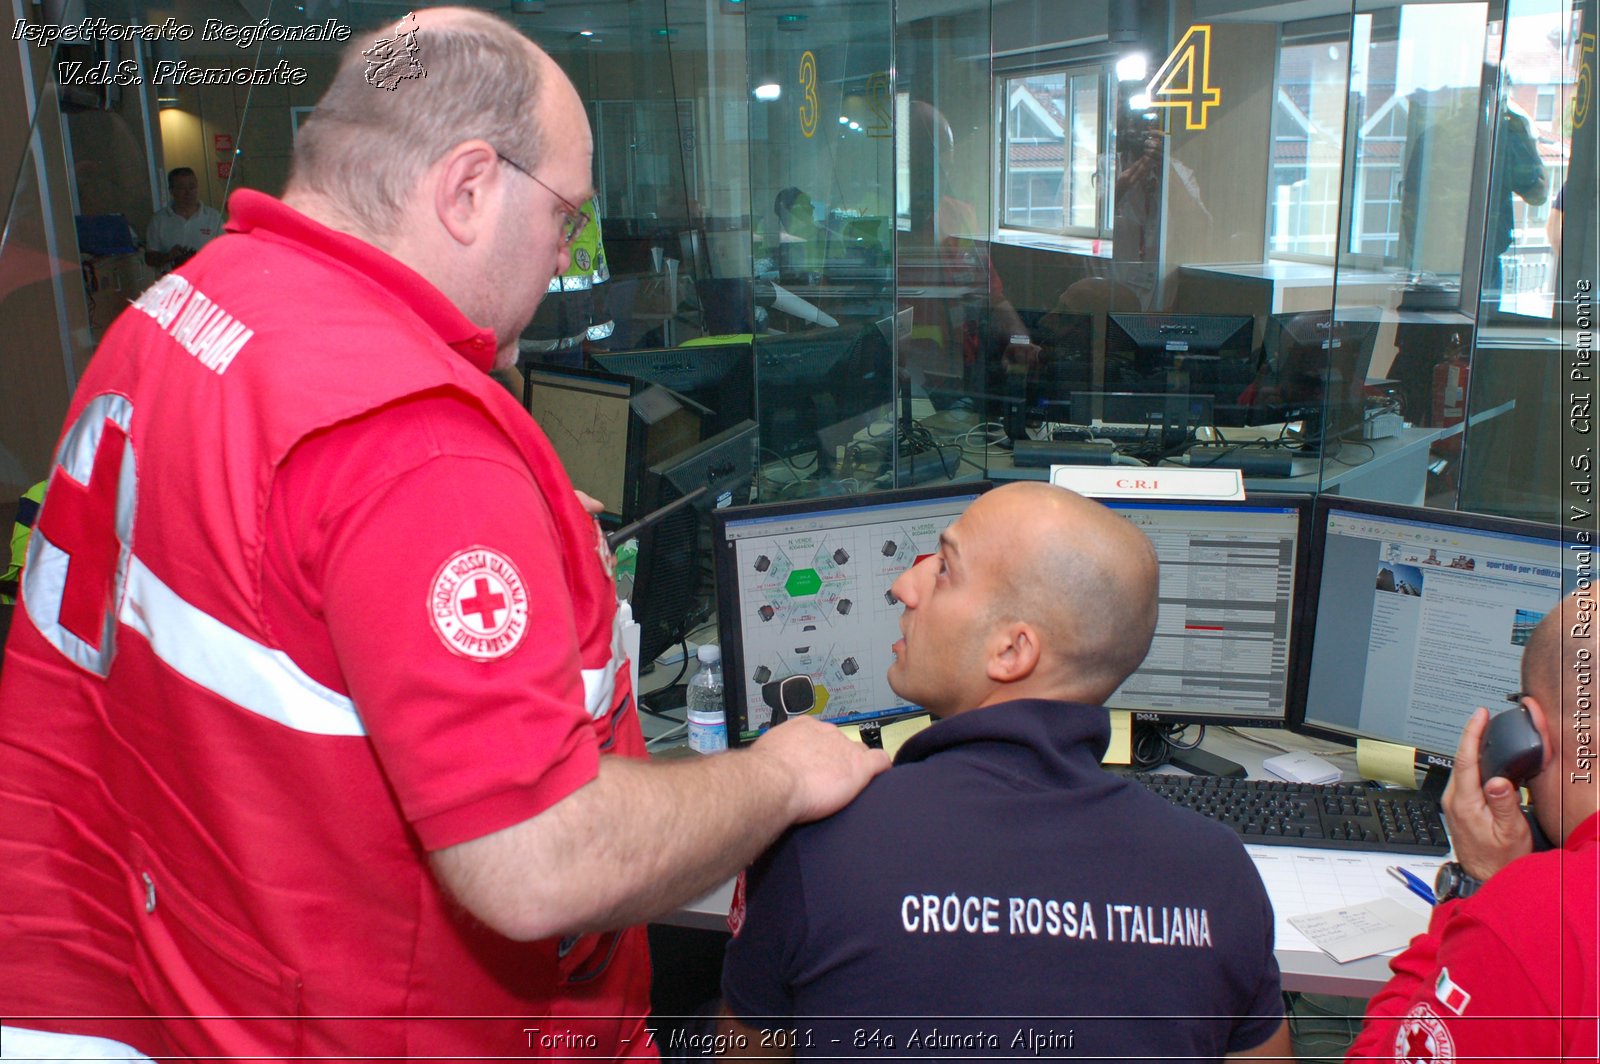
[998, 893]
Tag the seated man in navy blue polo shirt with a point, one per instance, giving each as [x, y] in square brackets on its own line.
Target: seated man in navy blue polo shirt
[998, 893]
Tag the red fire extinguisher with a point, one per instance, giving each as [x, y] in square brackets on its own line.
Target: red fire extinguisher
[1450, 400]
[1450, 385]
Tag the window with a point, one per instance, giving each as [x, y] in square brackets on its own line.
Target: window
[1544, 104]
[1308, 146]
[1053, 141]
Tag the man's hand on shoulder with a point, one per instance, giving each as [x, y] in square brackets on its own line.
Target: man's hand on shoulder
[827, 769]
[1486, 822]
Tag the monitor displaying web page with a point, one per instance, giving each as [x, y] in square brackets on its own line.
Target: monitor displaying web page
[803, 588]
[1231, 575]
[1420, 617]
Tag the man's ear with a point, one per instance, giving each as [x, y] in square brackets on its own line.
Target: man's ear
[462, 182]
[1013, 652]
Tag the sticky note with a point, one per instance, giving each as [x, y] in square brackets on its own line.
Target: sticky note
[851, 732]
[1386, 762]
[894, 735]
[1120, 752]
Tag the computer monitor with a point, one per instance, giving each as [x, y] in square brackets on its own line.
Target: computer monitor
[803, 589]
[1066, 364]
[667, 581]
[1230, 593]
[1417, 617]
[588, 419]
[819, 387]
[1210, 354]
[1314, 370]
[718, 379]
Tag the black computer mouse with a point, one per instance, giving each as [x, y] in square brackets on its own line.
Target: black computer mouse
[1511, 747]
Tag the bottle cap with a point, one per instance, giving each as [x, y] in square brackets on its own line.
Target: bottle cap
[709, 654]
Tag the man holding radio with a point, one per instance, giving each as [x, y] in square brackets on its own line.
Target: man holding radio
[1507, 967]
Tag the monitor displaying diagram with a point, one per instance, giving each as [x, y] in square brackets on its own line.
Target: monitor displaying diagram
[804, 589]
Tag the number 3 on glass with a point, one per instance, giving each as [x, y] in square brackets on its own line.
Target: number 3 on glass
[809, 107]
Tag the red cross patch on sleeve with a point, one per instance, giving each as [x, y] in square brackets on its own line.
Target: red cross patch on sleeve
[1423, 1038]
[478, 603]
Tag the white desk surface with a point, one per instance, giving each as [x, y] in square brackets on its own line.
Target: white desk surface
[1307, 970]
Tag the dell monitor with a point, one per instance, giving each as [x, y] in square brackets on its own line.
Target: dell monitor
[803, 588]
[819, 387]
[667, 584]
[588, 419]
[718, 380]
[1314, 370]
[1230, 594]
[1210, 354]
[1418, 617]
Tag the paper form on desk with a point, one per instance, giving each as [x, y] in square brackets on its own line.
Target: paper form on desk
[1350, 933]
[1301, 881]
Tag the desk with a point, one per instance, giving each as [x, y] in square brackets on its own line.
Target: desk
[1396, 470]
[1305, 971]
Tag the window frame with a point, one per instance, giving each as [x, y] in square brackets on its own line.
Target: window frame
[1105, 78]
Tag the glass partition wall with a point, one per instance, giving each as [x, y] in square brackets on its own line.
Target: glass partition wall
[1352, 250]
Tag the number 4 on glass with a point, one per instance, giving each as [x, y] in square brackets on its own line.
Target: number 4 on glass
[1184, 80]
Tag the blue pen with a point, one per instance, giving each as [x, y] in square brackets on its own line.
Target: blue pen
[1414, 885]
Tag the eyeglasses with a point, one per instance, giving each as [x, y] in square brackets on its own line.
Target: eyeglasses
[574, 221]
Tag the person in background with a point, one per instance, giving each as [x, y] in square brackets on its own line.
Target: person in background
[183, 226]
[1507, 967]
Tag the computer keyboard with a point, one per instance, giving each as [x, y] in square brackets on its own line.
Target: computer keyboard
[1335, 816]
[1252, 460]
[1117, 432]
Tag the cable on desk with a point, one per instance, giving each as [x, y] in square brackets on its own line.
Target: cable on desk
[1150, 748]
[1372, 452]
[1171, 732]
[1341, 751]
[683, 644]
[669, 734]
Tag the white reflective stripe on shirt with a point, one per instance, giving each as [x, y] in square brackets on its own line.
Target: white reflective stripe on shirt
[229, 664]
[600, 685]
[27, 1044]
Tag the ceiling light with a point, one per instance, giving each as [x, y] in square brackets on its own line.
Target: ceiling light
[1134, 66]
[768, 92]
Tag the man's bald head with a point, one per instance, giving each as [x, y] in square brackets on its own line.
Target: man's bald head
[1085, 577]
[1558, 668]
[365, 147]
[1558, 661]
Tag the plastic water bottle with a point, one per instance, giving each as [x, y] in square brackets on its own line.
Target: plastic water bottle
[708, 729]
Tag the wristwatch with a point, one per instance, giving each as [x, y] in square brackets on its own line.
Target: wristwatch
[1453, 881]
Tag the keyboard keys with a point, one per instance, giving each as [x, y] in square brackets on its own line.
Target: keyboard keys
[1338, 816]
